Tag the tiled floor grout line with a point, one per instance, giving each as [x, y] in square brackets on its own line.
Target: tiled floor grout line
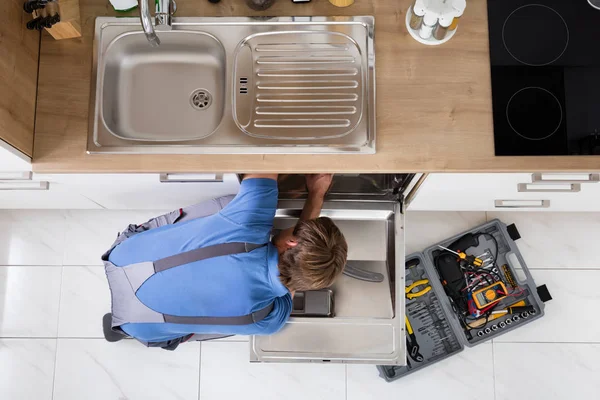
[57, 327]
[561, 269]
[55, 364]
[231, 341]
[31, 266]
[540, 342]
[52, 337]
[493, 369]
[65, 214]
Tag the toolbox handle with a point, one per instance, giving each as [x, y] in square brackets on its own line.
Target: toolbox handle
[515, 265]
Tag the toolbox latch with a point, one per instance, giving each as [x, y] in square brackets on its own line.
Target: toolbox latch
[513, 232]
[544, 293]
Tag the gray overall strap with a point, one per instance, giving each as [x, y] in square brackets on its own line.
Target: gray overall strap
[203, 253]
[247, 319]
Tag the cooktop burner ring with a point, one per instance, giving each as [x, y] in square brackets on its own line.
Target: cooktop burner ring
[522, 39]
[552, 129]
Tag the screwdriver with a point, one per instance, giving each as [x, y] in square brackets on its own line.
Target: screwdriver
[477, 262]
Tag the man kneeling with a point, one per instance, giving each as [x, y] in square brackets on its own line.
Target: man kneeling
[217, 273]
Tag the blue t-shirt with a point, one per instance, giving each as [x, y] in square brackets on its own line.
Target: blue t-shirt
[223, 286]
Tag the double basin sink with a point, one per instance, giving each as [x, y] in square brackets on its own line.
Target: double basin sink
[234, 85]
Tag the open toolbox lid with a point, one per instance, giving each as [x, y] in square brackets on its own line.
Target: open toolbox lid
[368, 321]
[451, 334]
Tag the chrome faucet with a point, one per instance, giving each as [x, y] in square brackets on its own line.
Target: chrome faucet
[164, 15]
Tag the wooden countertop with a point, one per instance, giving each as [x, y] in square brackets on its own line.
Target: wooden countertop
[434, 105]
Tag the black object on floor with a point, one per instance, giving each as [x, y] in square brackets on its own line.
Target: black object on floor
[109, 334]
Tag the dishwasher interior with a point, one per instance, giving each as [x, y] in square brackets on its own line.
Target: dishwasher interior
[367, 325]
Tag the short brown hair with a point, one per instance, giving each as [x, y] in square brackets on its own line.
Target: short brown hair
[317, 259]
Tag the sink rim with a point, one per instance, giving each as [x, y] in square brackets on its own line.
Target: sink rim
[102, 74]
[100, 141]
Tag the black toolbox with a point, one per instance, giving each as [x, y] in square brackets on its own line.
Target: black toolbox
[444, 294]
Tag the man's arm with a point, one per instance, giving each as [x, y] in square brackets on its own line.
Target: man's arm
[255, 203]
[318, 185]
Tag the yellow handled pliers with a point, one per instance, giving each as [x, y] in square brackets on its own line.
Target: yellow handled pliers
[415, 285]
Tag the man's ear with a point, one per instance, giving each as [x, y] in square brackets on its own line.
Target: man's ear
[291, 242]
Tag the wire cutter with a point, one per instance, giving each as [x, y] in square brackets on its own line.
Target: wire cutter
[415, 285]
[411, 342]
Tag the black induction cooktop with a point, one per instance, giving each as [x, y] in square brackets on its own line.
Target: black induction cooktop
[545, 61]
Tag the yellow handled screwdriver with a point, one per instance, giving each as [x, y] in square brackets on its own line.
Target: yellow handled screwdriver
[477, 262]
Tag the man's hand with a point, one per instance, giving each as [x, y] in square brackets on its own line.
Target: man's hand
[318, 184]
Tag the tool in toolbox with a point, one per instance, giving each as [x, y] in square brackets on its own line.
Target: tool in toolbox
[489, 295]
[414, 308]
[420, 291]
[510, 278]
[518, 307]
[472, 260]
[411, 342]
[487, 259]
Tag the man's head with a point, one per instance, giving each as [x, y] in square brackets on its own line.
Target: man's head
[311, 255]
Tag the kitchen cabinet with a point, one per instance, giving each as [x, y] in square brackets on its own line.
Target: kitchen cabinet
[145, 191]
[23, 191]
[12, 159]
[19, 54]
[19, 189]
[509, 191]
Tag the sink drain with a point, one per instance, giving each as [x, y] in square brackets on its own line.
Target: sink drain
[200, 99]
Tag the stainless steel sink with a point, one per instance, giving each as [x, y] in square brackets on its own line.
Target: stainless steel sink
[234, 85]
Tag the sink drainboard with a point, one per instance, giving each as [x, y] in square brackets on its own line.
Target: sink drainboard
[303, 85]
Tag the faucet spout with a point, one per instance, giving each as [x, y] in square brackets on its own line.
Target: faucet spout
[164, 18]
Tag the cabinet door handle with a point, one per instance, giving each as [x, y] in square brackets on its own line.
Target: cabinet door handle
[565, 178]
[522, 203]
[549, 188]
[27, 185]
[16, 176]
[191, 178]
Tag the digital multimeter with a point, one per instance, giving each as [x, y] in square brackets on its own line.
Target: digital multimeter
[489, 294]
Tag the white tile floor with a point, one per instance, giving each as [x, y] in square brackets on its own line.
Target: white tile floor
[53, 294]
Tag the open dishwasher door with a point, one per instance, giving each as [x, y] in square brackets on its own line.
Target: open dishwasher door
[367, 325]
